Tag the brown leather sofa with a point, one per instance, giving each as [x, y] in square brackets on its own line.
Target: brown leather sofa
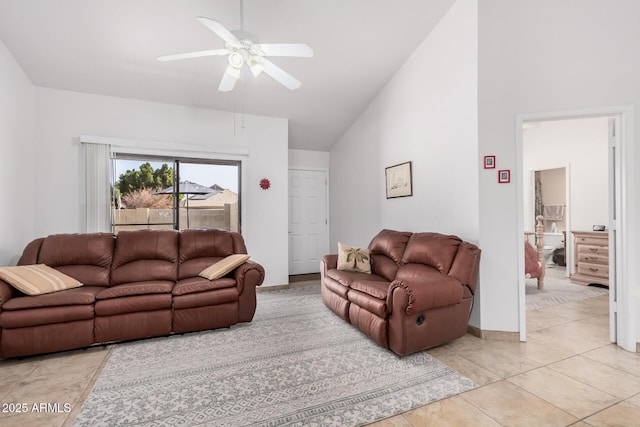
[137, 284]
[419, 293]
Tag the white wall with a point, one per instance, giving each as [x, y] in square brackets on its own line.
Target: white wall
[355, 180]
[427, 114]
[17, 120]
[582, 143]
[545, 56]
[308, 159]
[63, 116]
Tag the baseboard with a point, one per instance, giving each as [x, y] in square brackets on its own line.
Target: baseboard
[304, 277]
[493, 335]
[273, 288]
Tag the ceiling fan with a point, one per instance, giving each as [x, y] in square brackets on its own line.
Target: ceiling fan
[241, 50]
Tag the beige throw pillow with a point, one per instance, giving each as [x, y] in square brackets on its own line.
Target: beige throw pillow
[222, 267]
[351, 258]
[37, 279]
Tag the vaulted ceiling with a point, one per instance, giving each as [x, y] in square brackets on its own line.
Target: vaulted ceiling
[109, 47]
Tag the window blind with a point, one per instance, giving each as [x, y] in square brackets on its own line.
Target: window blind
[97, 159]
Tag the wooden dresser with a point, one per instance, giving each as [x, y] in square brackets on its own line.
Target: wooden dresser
[591, 257]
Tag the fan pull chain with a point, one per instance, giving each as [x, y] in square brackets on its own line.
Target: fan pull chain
[242, 15]
[241, 100]
[238, 94]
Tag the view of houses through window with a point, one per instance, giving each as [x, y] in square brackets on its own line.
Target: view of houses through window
[168, 193]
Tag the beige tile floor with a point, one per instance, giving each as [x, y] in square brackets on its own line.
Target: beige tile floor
[567, 373]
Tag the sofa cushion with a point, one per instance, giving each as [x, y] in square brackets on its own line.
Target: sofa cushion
[44, 316]
[37, 279]
[409, 271]
[351, 258]
[369, 303]
[336, 287]
[434, 249]
[218, 296]
[132, 304]
[372, 325]
[140, 288]
[224, 266]
[373, 288]
[390, 243]
[201, 248]
[85, 257]
[465, 265]
[345, 278]
[384, 266]
[194, 285]
[143, 255]
[84, 295]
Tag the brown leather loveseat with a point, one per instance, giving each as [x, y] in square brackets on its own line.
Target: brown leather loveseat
[418, 295]
[137, 284]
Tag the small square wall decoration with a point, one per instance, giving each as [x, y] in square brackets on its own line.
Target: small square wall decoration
[504, 176]
[489, 162]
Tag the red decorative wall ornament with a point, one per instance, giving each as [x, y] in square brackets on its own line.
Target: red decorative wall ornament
[265, 184]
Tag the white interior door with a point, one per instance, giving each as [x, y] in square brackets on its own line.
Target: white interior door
[308, 220]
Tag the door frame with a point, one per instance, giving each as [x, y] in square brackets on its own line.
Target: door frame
[328, 208]
[567, 188]
[625, 247]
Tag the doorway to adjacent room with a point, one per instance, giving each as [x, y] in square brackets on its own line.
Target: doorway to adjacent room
[614, 207]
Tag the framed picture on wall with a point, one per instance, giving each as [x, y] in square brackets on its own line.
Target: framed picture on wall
[398, 179]
[504, 176]
[489, 162]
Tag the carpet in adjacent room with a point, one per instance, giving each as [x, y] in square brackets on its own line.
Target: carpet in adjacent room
[558, 290]
[296, 364]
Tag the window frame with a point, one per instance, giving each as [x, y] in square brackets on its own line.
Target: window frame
[174, 162]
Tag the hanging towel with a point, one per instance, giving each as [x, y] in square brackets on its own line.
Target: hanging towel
[553, 212]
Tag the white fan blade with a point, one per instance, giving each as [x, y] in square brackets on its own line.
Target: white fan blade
[198, 54]
[229, 79]
[219, 29]
[280, 75]
[286, 49]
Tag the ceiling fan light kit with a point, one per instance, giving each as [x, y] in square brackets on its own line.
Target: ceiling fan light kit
[241, 50]
[236, 59]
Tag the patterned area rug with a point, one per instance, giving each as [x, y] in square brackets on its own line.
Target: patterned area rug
[557, 290]
[296, 364]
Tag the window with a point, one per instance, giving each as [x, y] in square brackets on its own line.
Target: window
[174, 193]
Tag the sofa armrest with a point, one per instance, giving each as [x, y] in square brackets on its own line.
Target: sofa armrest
[328, 262]
[248, 274]
[6, 293]
[31, 252]
[417, 294]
